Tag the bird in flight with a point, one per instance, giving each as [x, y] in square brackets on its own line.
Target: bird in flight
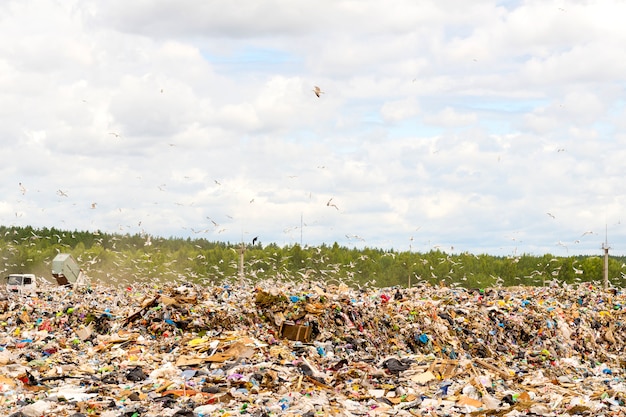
[317, 91]
[551, 215]
[328, 203]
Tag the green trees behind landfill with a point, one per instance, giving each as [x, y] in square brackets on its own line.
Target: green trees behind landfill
[122, 259]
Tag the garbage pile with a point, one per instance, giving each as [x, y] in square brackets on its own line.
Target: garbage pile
[311, 349]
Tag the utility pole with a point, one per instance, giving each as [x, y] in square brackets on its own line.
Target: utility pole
[606, 248]
[241, 251]
[410, 267]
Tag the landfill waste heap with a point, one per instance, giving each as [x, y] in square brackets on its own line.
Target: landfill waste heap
[311, 349]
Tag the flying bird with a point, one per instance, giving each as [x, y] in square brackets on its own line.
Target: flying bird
[317, 91]
[551, 215]
[328, 203]
[93, 205]
[22, 188]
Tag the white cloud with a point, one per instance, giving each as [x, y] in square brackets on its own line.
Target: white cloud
[399, 110]
[449, 117]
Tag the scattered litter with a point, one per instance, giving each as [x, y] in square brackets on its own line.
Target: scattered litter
[295, 349]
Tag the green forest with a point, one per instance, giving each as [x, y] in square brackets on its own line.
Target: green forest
[114, 259]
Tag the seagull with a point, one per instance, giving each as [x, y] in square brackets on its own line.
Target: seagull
[93, 205]
[317, 91]
[331, 205]
[62, 193]
[22, 188]
[551, 215]
[117, 135]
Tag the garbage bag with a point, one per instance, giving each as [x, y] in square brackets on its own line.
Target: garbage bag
[136, 374]
[395, 366]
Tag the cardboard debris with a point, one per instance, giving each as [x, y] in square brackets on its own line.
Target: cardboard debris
[84, 333]
[465, 400]
[498, 371]
[292, 331]
[234, 351]
[424, 377]
[444, 368]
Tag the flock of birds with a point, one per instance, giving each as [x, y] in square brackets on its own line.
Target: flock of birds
[330, 202]
[316, 89]
[122, 265]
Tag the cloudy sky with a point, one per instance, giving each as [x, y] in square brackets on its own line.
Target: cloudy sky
[484, 126]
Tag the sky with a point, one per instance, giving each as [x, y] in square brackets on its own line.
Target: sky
[489, 127]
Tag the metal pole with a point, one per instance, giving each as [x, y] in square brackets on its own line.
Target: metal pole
[241, 250]
[606, 266]
[606, 248]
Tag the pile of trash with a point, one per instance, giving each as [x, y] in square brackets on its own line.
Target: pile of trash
[312, 349]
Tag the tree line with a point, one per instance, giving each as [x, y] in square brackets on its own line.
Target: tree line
[124, 258]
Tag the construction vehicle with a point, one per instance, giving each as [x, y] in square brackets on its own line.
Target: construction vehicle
[64, 269]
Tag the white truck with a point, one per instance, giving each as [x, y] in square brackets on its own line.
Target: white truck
[21, 283]
[64, 269]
